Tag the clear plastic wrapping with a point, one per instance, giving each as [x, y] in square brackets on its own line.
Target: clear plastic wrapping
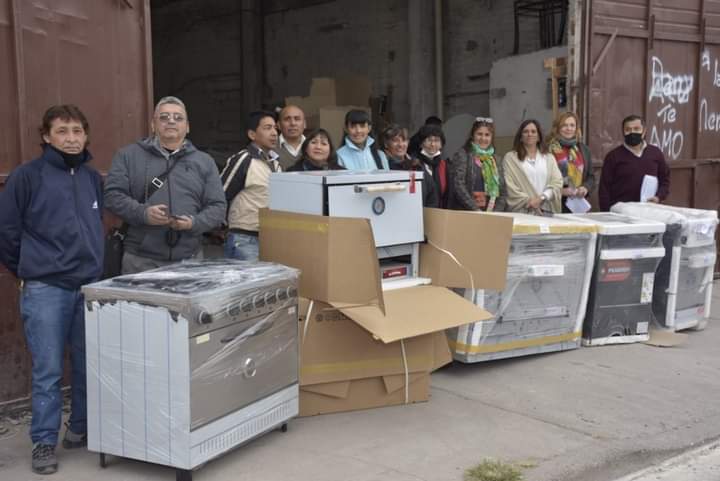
[683, 283]
[697, 225]
[195, 289]
[171, 387]
[542, 306]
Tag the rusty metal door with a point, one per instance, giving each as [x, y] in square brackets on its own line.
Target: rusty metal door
[659, 59]
[93, 53]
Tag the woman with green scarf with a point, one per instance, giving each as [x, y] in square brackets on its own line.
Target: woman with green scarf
[476, 179]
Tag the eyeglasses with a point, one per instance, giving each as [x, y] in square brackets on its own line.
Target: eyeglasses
[487, 120]
[165, 117]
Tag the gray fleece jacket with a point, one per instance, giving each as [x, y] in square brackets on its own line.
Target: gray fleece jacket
[192, 188]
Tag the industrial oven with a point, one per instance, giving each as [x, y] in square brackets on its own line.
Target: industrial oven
[391, 200]
[628, 253]
[543, 304]
[188, 361]
[683, 283]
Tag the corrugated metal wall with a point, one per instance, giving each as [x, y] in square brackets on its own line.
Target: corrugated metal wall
[661, 59]
[95, 54]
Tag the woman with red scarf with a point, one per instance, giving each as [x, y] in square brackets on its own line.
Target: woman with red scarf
[572, 156]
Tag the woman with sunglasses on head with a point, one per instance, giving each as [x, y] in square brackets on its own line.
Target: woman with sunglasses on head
[395, 140]
[317, 153]
[532, 178]
[476, 178]
[573, 158]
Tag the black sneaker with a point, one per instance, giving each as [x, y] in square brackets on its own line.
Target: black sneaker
[74, 440]
[44, 460]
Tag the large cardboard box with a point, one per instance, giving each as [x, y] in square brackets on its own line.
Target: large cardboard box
[352, 357]
[343, 368]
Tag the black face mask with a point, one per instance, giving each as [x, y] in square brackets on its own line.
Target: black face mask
[633, 139]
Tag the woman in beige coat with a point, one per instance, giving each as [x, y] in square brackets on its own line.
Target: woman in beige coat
[533, 182]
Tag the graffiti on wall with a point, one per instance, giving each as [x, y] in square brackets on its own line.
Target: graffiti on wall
[672, 91]
[709, 118]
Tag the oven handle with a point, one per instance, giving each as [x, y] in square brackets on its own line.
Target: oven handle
[373, 189]
[262, 330]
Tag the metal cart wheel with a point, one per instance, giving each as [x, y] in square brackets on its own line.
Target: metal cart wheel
[183, 475]
[103, 461]
[284, 427]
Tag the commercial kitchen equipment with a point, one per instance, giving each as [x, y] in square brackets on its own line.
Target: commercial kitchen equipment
[391, 200]
[543, 304]
[188, 361]
[628, 253]
[683, 283]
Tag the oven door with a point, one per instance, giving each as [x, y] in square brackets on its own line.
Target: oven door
[394, 209]
[238, 364]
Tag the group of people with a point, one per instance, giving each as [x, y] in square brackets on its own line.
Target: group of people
[168, 193]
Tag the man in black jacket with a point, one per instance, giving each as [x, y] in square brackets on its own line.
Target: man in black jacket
[51, 237]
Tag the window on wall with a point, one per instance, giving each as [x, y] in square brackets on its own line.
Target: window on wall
[551, 16]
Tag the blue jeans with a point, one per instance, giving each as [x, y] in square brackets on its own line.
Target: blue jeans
[241, 246]
[53, 317]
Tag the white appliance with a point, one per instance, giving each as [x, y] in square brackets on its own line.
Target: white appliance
[543, 304]
[683, 283]
[628, 253]
[391, 200]
[187, 362]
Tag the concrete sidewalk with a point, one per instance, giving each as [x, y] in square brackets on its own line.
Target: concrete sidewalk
[702, 464]
[592, 414]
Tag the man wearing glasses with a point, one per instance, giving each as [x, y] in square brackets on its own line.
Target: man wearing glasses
[166, 191]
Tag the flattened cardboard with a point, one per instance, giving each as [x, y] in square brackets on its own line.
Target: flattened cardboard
[414, 311]
[334, 348]
[664, 338]
[365, 394]
[480, 243]
[336, 255]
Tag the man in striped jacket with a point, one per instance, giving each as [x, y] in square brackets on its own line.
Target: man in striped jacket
[246, 181]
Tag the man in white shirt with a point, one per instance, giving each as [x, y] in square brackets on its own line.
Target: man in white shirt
[292, 125]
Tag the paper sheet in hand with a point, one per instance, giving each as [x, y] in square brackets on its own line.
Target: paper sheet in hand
[577, 205]
[649, 187]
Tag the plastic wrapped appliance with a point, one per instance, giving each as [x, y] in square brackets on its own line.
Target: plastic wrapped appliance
[189, 361]
[683, 283]
[543, 304]
[391, 200]
[628, 253]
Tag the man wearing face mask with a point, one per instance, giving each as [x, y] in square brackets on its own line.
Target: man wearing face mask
[166, 191]
[51, 237]
[625, 167]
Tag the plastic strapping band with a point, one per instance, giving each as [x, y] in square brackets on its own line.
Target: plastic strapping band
[456, 261]
[307, 319]
[407, 374]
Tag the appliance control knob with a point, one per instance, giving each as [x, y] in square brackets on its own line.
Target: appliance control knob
[281, 294]
[270, 298]
[258, 301]
[246, 305]
[291, 292]
[204, 318]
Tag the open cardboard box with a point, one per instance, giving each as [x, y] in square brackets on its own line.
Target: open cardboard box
[360, 364]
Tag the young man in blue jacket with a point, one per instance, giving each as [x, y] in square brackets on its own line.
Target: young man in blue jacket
[51, 238]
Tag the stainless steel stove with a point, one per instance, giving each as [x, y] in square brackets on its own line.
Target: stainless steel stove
[191, 360]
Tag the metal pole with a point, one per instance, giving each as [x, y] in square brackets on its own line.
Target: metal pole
[439, 86]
